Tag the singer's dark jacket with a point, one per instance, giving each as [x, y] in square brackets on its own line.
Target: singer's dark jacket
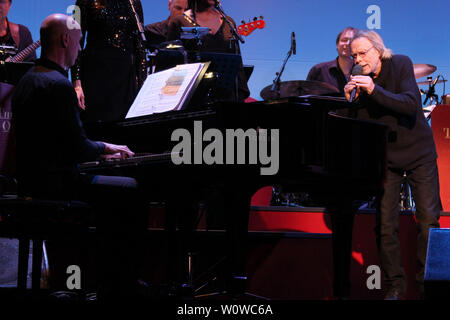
[396, 102]
[328, 72]
[50, 137]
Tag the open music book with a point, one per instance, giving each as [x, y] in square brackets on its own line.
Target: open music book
[167, 90]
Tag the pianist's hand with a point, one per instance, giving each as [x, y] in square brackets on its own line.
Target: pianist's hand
[80, 94]
[113, 151]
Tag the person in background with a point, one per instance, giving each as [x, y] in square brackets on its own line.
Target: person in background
[111, 68]
[12, 34]
[337, 71]
[156, 33]
[202, 13]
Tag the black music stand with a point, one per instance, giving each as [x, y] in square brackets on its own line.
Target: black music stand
[225, 65]
[220, 82]
[220, 85]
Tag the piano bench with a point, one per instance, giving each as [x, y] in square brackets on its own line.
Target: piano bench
[38, 220]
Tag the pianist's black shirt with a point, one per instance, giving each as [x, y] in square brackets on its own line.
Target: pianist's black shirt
[396, 102]
[50, 137]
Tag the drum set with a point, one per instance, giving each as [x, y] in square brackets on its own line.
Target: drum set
[431, 99]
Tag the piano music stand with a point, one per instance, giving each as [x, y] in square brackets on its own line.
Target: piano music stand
[226, 65]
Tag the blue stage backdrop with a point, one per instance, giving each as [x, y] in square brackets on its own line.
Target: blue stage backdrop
[418, 29]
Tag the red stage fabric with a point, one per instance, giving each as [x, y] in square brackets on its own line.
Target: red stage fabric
[440, 123]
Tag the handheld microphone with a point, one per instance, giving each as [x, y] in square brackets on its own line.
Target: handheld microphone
[356, 71]
[293, 43]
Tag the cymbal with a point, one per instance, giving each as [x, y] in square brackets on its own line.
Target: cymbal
[422, 70]
[297, 88]
[426, 82]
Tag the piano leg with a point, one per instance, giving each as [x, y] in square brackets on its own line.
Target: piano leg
[181, 211]
[342, 215]
[237, 208]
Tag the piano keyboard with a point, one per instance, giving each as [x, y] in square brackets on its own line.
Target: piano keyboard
[136, 160]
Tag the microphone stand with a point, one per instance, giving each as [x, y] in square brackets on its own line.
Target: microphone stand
[277, 82]
[142, 40]
[276, 191]
[235, 38]
[236, 35]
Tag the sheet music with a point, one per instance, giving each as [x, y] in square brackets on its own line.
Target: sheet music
[166, 90]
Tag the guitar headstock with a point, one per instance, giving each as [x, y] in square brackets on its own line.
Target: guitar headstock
[246, 28]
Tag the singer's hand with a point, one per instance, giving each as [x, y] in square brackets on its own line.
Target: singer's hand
[364, 82]
[349, 88]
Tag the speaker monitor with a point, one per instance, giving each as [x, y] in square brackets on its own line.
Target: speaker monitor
[437, 267]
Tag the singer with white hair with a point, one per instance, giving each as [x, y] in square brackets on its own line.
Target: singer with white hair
[387, 92]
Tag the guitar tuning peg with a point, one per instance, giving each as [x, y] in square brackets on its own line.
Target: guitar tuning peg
[243, 22]
[255, 18]
[261, 17]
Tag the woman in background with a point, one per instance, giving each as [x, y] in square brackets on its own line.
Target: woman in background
[109, 70]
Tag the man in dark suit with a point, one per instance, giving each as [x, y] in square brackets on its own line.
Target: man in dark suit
[387, 92]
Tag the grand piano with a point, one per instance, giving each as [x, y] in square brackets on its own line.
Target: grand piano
[334, 158]
[320, 150]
